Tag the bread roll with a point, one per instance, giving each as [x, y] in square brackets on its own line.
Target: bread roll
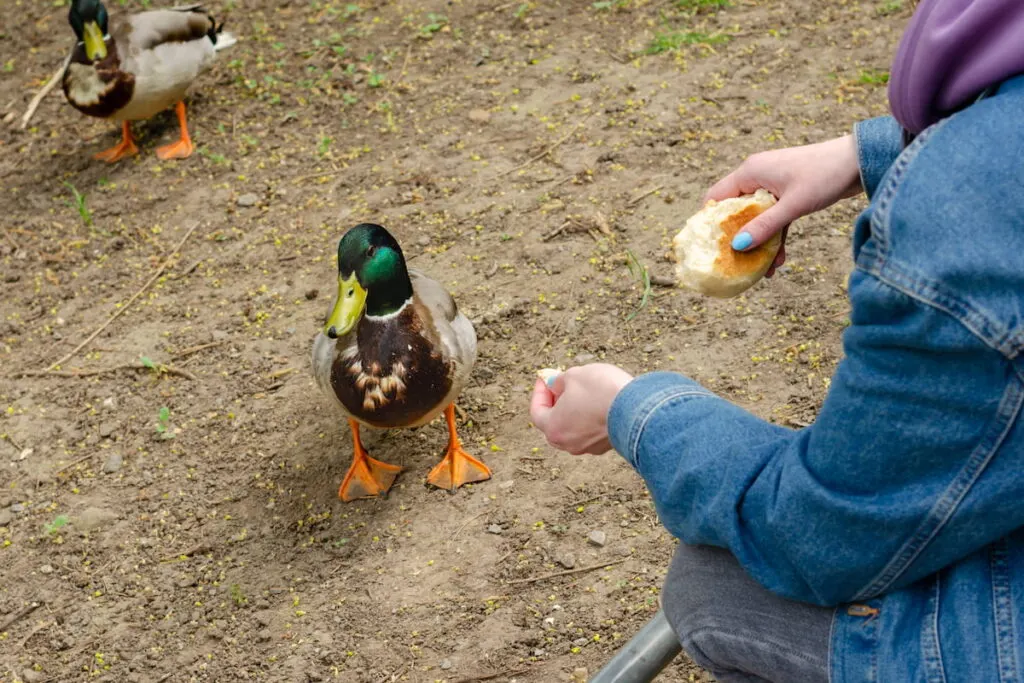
[705, 259]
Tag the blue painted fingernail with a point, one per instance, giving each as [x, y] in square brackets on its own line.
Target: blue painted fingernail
[742, 241]
[550, 381]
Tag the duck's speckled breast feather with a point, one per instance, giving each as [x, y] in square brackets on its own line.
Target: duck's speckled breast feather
[393, 376]
[100, 88]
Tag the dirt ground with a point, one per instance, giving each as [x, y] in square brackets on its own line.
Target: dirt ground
[168, 495]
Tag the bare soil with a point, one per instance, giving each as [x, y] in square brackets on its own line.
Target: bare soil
[168, 495]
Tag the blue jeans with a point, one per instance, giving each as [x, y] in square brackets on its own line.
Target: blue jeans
[731, 626]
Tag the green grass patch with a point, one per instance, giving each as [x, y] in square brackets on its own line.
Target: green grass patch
[873, 77]
[673, 40]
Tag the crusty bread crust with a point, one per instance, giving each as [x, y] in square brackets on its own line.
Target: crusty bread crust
[705, 259]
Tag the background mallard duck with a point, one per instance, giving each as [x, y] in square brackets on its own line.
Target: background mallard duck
[145, 63]
[395, 352]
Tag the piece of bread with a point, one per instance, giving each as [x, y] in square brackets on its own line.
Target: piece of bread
[548, 374]
[705, 259]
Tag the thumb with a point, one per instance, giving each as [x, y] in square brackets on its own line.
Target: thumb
[557, 384]
[763, 227]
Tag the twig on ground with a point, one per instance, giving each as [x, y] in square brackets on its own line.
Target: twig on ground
[488, 677]
[21, 614]
[636, 200]
[50, 84]
[547, 151]
[468, 521]
[198, 549]
[567, 572]
[202, 347]
[130, 301]
[169, 369]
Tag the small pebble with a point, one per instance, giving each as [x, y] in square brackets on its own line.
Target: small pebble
[107, 429]
[5, 517]
[566, 560]
[506, 484]
[17, 508]
[494, 529]
[446, 664]
[113, 463]
[46, 569]
[312, 294]
[248, 199]
[584, 358]
[597, 538]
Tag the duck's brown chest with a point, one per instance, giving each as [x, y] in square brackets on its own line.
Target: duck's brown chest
[393, 376]
[98, 89]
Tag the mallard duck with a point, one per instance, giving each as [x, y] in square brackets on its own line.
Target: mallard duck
[395, 352]
[145, 63]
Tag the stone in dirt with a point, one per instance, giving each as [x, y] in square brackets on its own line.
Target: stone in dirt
[93, 518]
[113, 463]
[597, 538]
[248, 199]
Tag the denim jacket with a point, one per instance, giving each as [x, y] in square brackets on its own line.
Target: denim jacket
[903, 504]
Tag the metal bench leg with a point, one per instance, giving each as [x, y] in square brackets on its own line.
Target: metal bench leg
[644, 656]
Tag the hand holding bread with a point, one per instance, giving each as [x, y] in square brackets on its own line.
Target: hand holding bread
[705, 259]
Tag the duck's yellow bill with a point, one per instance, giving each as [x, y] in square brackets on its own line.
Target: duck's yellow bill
[95, 47]
[348, 307]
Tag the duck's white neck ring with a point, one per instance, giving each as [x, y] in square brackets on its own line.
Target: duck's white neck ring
[389, 316]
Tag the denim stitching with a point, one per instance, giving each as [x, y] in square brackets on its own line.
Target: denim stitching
[931, 648]
[1002, 613]
[887, 193]
[638, 430]
[947, 504]
[920, 288]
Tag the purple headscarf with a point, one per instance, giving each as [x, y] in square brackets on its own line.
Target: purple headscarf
[950, 53]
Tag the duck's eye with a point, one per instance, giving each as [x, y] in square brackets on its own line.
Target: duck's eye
[371, 251]
[351, 292]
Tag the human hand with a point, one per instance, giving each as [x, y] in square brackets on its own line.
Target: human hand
[573, 412]
[804, 179]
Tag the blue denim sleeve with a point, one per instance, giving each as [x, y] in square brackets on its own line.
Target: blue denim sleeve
[879, 141]
[858, 503]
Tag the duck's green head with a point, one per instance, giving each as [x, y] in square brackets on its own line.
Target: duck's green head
[89, 20]
[372, 278]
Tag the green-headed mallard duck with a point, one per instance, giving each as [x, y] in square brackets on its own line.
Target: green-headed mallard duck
[144, 64]
[395, 352]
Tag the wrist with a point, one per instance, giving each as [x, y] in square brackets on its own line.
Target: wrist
[853, 186]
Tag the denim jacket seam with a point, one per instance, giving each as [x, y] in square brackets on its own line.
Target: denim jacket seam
[861, 157]
[1003, 613]
[981, 324]
[948, 503]
[931, 646]
[656, 402]
[890, 185]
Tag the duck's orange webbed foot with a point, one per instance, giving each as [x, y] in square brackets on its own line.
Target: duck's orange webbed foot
[457, 467]
[122, 149]
[183, 147]
[366, 477]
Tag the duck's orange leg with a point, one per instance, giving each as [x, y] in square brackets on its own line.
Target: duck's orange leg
[183, 147]
[366, 477]
[458, 467]
[122, 149]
